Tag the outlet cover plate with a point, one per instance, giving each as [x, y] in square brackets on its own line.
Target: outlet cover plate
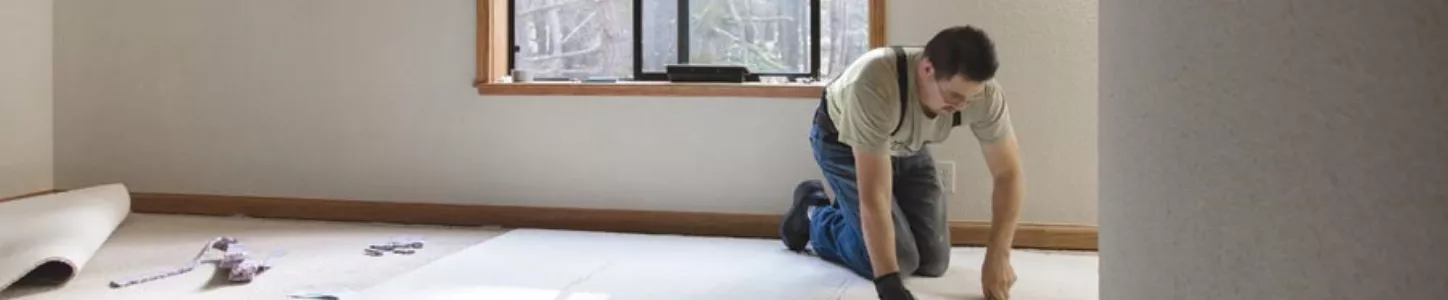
[945, 173]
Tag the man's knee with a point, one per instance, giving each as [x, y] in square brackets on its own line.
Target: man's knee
[933, 268]
[934, 257]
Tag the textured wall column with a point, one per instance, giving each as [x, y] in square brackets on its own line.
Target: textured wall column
[27, 163]
[1289, 149]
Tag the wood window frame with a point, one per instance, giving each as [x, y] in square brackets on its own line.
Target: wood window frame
[492, 60]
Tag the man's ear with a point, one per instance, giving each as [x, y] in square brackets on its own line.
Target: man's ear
[926, 69]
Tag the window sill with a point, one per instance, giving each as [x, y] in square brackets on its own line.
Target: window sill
[665, 89]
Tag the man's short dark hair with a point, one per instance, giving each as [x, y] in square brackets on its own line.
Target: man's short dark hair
[962, 50]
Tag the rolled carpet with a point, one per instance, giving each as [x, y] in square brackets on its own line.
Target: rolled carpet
[51, 237]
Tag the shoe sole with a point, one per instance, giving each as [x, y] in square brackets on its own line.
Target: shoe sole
[798, 218]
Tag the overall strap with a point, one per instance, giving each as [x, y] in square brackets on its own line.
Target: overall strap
[955, 120]
[902, 69]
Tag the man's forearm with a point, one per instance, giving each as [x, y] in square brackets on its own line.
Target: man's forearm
[879, 231]
[873, 174]
[1005, 212]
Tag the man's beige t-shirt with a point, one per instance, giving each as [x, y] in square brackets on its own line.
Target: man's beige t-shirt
[864, 103]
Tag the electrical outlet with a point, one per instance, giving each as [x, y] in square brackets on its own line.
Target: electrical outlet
[945, 173]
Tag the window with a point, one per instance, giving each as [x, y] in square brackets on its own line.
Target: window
[768, 37]
[635, 39]
[573, 38]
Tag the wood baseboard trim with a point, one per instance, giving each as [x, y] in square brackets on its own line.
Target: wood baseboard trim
[1033, 236]
[23, 196]
[712, 224]
[1060, 237]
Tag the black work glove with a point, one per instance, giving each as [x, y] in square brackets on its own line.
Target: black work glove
[890, 287]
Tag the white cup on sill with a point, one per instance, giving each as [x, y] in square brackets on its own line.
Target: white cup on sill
[522, 76]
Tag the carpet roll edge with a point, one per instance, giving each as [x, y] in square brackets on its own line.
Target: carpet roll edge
[66, 227]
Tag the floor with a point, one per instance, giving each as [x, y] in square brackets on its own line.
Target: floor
[470, 262]
[530, 264]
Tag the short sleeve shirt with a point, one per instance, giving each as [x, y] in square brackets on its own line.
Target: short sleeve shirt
[864, 103]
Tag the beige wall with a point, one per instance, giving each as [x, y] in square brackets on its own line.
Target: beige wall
[1048, 56]
[25, 97]
[1274, 150]
[371, 100]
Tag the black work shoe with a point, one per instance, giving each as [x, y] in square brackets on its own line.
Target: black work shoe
[795, 228]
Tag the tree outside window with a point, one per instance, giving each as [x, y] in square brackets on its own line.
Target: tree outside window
[575, 39]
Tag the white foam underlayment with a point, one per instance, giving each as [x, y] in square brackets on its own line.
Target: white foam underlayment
[62, 228]
[567, 265]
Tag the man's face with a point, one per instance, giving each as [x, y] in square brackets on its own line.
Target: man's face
[945, 97]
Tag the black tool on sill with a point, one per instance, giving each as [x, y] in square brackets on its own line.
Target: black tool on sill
[707, 73]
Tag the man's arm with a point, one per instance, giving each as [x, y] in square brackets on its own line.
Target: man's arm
[874, 179]
[997, 275]
[1003, 159]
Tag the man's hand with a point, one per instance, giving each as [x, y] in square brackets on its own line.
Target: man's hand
[890, 287]
[997, 276]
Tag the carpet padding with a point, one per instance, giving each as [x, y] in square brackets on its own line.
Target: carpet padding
[567, 265]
